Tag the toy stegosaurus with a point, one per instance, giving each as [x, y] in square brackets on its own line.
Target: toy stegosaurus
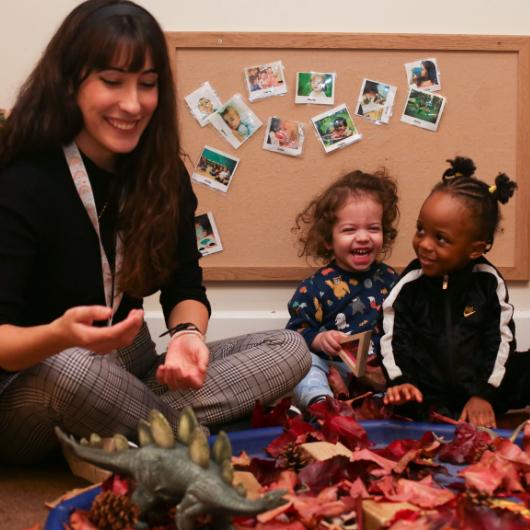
[180, 472]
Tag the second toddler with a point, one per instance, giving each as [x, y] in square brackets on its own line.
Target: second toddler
[350, 226]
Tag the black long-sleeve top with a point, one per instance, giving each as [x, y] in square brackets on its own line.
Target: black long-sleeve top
[49, 252]
[450, 337]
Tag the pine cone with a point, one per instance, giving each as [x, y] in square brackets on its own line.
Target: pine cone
[110, 511]
[293, 458]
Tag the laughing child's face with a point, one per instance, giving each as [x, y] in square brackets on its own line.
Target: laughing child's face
[446, 237]
[357, 235]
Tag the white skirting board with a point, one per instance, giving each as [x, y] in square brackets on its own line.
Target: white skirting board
[225, 324]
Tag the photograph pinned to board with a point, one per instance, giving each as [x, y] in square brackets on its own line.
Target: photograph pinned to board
[284, 136]
[208, 240]
[376, 101]
[354, 351]
[424, 74]
[423, 109]
[235, 121]
[335, 128]
[203, 102]
[215, 169]
[315, 87]
[265, 80]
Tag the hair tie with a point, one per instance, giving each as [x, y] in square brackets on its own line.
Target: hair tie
[492, 188]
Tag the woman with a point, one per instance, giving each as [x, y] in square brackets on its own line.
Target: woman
[97, 212]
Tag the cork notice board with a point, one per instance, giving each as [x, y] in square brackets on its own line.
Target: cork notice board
[484, 78]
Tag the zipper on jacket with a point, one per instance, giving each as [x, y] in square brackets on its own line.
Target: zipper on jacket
[448, 330]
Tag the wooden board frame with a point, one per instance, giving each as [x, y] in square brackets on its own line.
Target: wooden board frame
[425, 45]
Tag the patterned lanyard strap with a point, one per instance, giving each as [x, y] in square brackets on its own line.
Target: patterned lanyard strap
[84, 189]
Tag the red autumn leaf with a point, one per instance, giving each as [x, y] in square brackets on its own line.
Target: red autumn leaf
[473, 515]
[416, 520]
[330, 407]
[372, 408]
[512, 452]
[396, 449]
[265, 470]
[320, 474]
[242, 461]
[298, 432]
[270, 417]
[280, 444]
[345, 430]
[303, 430]
[467, 446]
[355, 488]
[337, 384]
[384, 465]
[423, 493]
[491, 473]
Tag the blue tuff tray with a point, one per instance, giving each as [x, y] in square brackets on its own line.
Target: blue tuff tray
[253, 442]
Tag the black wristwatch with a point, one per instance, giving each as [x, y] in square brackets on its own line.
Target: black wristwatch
[183, 326]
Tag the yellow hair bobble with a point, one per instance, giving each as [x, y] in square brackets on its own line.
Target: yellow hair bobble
[492, 188]
[458, 174]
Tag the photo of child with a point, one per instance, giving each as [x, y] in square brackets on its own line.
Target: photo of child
[423, 109]
[202, 103]
[265, 80]
[424, 74]
[376, 101]
[215, 169]
[336, 129]
[208, 240]
[235, 121]
[315, 87]
[284, 136]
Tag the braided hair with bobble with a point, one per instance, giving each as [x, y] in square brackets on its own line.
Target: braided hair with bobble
[482, 200]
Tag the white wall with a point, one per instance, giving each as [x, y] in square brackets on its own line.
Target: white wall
[26, 26]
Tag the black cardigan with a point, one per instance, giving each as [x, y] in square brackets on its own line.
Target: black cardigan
[49, 252]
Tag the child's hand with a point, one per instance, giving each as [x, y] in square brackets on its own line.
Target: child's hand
[329, 342]
[399, 394]
[479, 413]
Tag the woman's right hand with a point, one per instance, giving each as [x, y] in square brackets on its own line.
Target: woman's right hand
[329, 342]
[399, 394]
[75, 328]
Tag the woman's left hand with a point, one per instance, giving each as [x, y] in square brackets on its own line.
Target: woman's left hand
[185, 364]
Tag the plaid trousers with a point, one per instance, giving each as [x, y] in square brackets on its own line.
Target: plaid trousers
[83, 392]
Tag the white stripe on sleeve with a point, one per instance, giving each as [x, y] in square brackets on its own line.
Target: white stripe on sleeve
[499, 368]
[389, 360]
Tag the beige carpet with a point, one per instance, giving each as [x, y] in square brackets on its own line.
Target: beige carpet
[24, 492]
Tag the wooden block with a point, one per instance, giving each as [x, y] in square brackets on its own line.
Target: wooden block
[252, 486]
[325, 450]
[354, 351]
[376, 514]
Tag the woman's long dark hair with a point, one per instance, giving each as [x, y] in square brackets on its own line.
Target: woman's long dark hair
[46, 116]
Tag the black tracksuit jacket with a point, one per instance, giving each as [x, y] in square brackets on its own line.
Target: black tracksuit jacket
[451, 337]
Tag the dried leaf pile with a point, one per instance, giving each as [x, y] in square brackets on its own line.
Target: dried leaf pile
[475, 481]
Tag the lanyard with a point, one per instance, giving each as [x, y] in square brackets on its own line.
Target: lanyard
[84, 189]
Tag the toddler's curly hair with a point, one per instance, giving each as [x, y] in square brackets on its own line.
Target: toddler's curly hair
[314, 225]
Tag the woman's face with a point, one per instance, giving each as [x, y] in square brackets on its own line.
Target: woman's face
[116, 106]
